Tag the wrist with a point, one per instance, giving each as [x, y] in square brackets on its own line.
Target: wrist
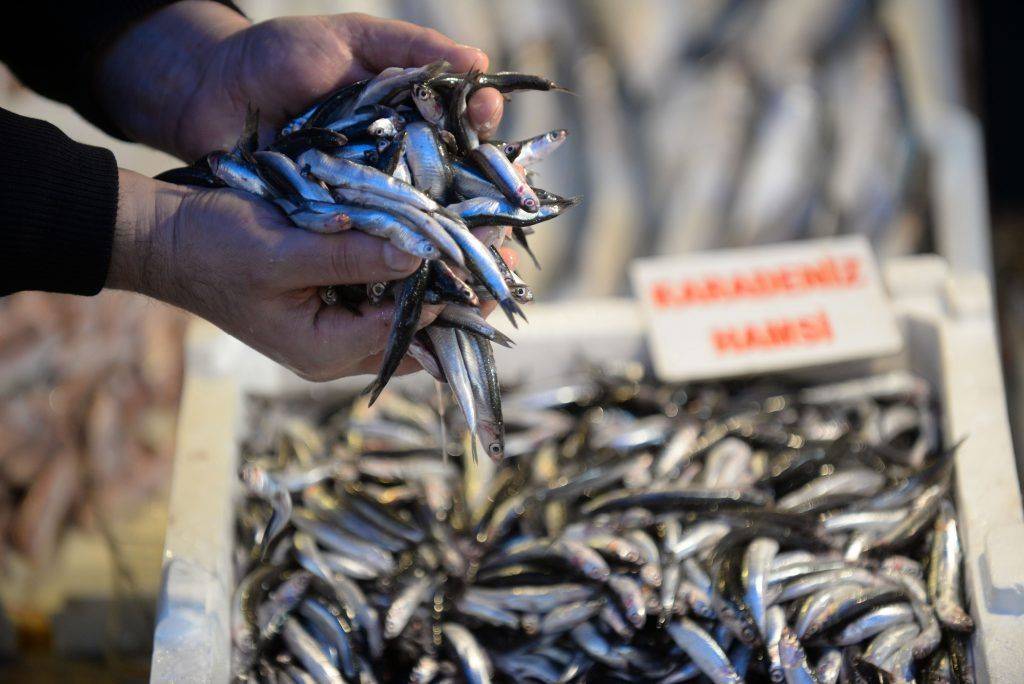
[140, 258]
[148, 76]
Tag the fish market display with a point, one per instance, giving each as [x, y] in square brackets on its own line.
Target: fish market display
[718, 123]
[394, 157]
[89, 391]
[636, 532]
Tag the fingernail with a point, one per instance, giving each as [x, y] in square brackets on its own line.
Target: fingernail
[397, 260]
[480, 109]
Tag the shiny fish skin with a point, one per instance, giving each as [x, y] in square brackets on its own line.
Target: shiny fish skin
[874, 622]
[338, 172]
[794, 660]
[405, 604]
[756, 566]
[944, 572]
[672, 576]
[540, 147]
[503, 174]
[378, 156]
[476, 666]
[704, 651]
[308, 652]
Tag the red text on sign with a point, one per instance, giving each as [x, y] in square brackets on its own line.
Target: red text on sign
[828, 273]
[777, 333]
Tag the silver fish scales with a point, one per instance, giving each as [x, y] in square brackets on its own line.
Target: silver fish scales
[475, 578]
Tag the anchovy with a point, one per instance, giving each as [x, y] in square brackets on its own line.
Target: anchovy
[944, 572]
[287, 177]
[476, 666]
[332, 625]
[874, 622]
[704, 651]
[630, 597]
[309, 654]
[298, 141]
[540, 147]
[429, 104]
[428, 161]
[479, 359]
[409, 305]
[240, 175]
[486, 611]
[404, 605]
[569, 615]
[775, 624]
[756, 565]
[468, 319]
[485, 211]
[499, 169]
[385, 84]
[317, 217]
[422, 222]
[342, 173]
[260, 484]
[446, 346]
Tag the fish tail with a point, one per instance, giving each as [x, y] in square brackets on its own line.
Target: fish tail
[503, 339]
[373, 390]
[511, 309]
[520, 237]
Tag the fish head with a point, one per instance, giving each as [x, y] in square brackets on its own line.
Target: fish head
[510, 149]
[492, 436]
[738, 619]
[557, 136]
[214, 159]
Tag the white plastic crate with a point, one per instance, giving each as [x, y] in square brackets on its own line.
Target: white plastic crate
[949, 339]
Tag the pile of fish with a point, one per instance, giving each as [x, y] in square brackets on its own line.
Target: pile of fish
[637, 532]
[89, 391]
[394, 156]
[720, 123]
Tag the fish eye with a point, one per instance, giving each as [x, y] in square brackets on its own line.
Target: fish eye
[520, 291]
[494, 448]
[747, 633]
[378, 289]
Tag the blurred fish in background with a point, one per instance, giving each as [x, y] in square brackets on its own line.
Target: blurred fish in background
[700, 124]
[696, 124]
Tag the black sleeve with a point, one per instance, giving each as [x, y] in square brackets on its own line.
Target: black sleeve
[52, 47]
[58, 204]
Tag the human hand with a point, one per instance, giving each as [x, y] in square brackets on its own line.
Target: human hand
[191, 69]
[236, 261]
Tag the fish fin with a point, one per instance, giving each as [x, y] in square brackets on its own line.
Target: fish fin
[520, 237]
[503, 339]
[248, 142]
[511, 308]
[373, 390]
[572, 201]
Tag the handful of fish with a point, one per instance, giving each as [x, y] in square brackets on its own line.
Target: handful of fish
[638, 532]
[394, 156]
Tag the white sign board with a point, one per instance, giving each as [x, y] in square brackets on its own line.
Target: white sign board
[783, 306]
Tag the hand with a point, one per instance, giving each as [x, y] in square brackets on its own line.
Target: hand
[191, 69]
[237, 262]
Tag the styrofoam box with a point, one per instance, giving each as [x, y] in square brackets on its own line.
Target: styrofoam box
[949, 339]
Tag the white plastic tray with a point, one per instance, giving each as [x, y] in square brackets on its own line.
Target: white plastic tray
[950, 339]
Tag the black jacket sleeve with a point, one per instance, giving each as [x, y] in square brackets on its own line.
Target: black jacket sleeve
[58, 204]
[52, 47]
[58, 198]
